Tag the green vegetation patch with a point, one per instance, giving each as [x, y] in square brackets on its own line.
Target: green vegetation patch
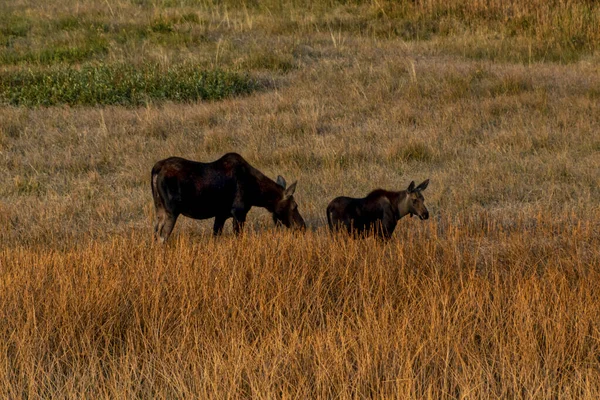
[14, 25]
[93, 47]
[121, 84]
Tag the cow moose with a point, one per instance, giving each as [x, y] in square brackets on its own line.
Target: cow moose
[223, 189]
[379, 212]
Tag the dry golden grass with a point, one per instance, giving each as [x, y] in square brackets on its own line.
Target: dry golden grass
[496, 296]
[449, 309]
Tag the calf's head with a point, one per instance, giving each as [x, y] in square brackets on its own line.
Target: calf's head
[286, 209]
[416, 201]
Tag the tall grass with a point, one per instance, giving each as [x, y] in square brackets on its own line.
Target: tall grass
[441, 312]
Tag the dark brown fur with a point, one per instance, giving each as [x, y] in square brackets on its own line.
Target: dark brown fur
[379, 212]
[223, 189]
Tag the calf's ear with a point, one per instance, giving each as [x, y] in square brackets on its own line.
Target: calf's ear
[290, 191]
[411, 187]
[423, 185]
[281, 181]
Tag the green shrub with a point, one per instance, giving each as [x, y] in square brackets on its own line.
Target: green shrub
[121, 84]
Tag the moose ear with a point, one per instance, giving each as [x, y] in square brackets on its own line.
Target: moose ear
[411, 187]
[281, 181]
[423, 185]
[290, 191]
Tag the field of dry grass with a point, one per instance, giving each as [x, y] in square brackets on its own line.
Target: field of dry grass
[496, 296]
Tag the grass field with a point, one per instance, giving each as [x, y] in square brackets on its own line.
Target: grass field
[495, 296]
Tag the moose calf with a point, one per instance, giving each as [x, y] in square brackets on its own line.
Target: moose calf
[379, 212]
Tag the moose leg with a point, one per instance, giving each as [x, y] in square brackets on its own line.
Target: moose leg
[388, 229]
[219, 223]
[387, 223]
[159, 221]
[382, 231]
[238, 211]
[239, 218]
[350, 225]
[167, 227]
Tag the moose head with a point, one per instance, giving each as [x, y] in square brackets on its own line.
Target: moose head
[286, 209]
[416, 201]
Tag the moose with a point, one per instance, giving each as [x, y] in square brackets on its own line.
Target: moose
[223, 189]
[379, 212]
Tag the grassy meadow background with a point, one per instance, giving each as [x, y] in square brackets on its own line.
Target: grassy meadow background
[496, 296]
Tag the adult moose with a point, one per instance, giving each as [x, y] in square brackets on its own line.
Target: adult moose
[225, 188]
[378, 212]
